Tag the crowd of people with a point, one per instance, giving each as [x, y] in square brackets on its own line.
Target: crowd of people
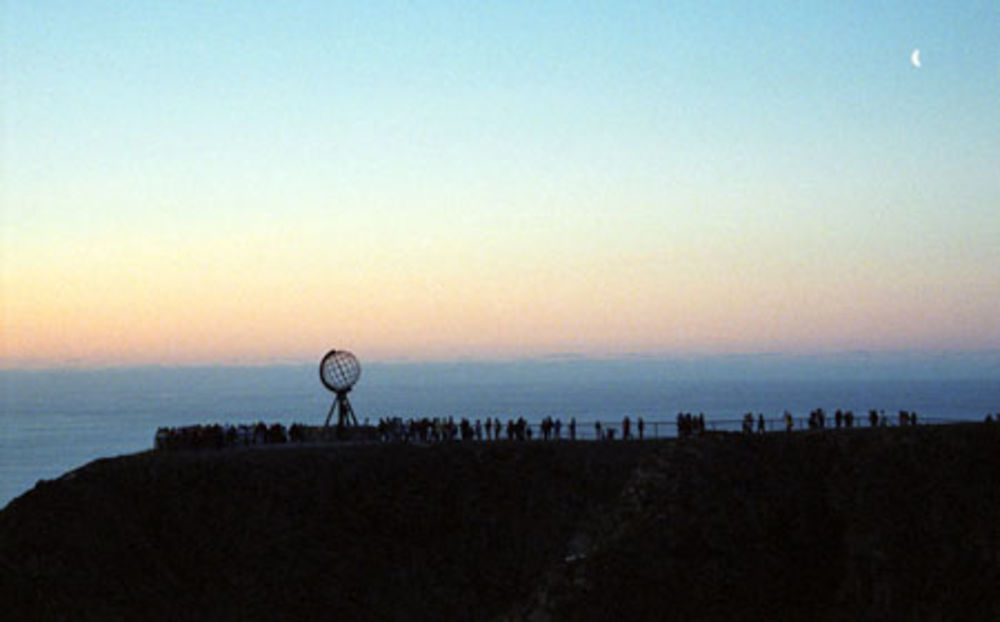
[439, 429]
[446, 429]
[607, 433]
[846, 419]
[389, 429]
[818, 420]
[216, 436]
[689, 425]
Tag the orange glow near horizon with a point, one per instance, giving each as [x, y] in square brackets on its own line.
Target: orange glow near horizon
[255, 300]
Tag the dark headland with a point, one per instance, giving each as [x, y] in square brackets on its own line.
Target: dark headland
[864, 524]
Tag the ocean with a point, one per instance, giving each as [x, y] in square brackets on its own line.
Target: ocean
[52, 421]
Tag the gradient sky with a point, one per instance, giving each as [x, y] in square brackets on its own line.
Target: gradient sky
[260, 181]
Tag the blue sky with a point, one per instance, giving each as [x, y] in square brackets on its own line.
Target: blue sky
[527, 177]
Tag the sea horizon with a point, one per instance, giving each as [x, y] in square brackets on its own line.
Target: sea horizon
[55, 420]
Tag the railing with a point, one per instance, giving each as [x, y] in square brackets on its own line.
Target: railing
[666, 429]
[799, 424]
[216, 436]
[590, 430]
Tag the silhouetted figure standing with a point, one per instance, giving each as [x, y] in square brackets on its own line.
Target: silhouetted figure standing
[597, 430]
[626, 428]
[760, 423]
[873, 417]
[641, 426]
[572, 429]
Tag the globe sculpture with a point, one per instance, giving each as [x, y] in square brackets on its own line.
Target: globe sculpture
[338, 371]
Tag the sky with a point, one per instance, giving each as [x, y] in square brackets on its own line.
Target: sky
[254, 182]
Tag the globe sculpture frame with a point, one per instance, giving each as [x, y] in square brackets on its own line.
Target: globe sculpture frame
[339, 371]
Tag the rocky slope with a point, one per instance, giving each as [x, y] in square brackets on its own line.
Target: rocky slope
[863, 524]
[885, 524]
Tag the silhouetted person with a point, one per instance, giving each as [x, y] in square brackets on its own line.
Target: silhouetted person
[849, 419]
[873, 417]
[626, 431]
[572, 429]
[597, 430]
[276, 433]
[789, 422]
[260, 433]
[760, 423]
[641, 426]
[162, 437]
[838, 417]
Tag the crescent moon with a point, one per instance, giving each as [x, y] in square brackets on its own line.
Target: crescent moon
[915, 58]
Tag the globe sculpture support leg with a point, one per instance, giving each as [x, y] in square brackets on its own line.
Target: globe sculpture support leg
[345, 414]
[329, 415]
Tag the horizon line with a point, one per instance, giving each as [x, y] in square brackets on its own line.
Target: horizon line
[555, 357]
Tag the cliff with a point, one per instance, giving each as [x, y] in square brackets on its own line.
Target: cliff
[896, 523]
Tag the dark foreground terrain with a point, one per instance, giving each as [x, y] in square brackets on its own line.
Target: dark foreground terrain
[882, 524]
